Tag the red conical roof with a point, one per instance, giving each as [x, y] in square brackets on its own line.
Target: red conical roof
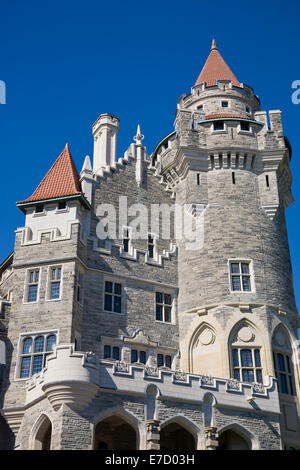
[61, 180]
[215, 68]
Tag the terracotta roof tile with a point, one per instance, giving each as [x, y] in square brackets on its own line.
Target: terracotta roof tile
[226, 115]
[61, 180]
[215, 68]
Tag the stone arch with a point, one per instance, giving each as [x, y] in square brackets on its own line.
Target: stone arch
[238, 438]
[191, 437]
[244, 334]
[125, 417]
[41, 434]
[204, 349]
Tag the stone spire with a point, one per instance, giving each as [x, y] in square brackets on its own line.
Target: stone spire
[215, 68]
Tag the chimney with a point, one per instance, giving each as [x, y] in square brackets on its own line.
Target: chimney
[105, 131]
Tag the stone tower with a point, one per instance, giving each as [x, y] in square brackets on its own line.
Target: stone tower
[186, 341]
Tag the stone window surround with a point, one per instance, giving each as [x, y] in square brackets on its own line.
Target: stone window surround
[22, 337]
[173, 305]
[240, 131]
[26, 286]
[123, 294]
[48, 283]
[220, 131]
[251, 271]
[240, 367]
[224, 100]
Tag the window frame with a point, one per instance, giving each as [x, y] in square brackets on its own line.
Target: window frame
[289, 376]
[164, 355]
[28, 284]
[171, 305]
[241, 261]
[138, 350]
[79, 285]
[242, 131]
[114, 281]
[240, 367]
[218, 131]
[50, 281]
[20, 354]
[112, 346]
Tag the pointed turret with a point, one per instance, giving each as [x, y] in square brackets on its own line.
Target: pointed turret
[61, 181]
[215, 68]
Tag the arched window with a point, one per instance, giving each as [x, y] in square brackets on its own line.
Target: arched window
[245, 348]
[43, 435]
[283, 365]
[34, 351]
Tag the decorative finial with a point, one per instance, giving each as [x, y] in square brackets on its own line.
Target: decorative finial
[213, 45]
[139, 137]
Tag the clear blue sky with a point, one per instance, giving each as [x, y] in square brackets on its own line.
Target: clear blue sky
[66, 62]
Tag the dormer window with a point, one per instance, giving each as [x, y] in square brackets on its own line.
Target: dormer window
[39, 208]
[218, 126]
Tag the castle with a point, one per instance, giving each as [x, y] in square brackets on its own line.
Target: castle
[164, 340]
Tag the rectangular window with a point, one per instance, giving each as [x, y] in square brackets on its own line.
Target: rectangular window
[126, 240]
[61, 205]
[247, 365]
[163, 307]
[240, 276]
[111, 352]
[54, 282]
[113, 297]
[32, 285]
[164, 361]
[218, 126]
[150, 246]
[39, 208]
[245, 126]
[79, 288]
[138, 356]
[224, 104]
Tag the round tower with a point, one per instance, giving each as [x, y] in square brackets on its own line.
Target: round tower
[228, 165]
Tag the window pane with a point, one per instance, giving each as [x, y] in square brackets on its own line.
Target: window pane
[31, 277]
[291, 385]
[235, 357]
[117, 304]
[150, 251]
[259, 376]
[51, 341]
[159, 297]
[167, 299]
[37, 276]
[235, 268]
[246, 283]
[126, 245]
[107, 353]
[55, 290]
[58, 273]
[25, 367]
[168, 314]
[108, 303]
[288, 364]
[236, 284]
[280, 362]
[248, 375]
[118, 289]
[236, 374]
[245, 268]
[37, 364]
[53, 276]
[168, 361]
[283, 383]
[27, 345]
[218, 125]
[134, 356]
[39, 344]
[246, 357]
[159, 312]
[160, 360]
[108, 286]
[257, 358]
[32, 293]
[116, 353]
[143, 357]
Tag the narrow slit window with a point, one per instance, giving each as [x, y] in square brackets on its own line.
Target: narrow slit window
[150, 246]
[267, 181]
[233, 177]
